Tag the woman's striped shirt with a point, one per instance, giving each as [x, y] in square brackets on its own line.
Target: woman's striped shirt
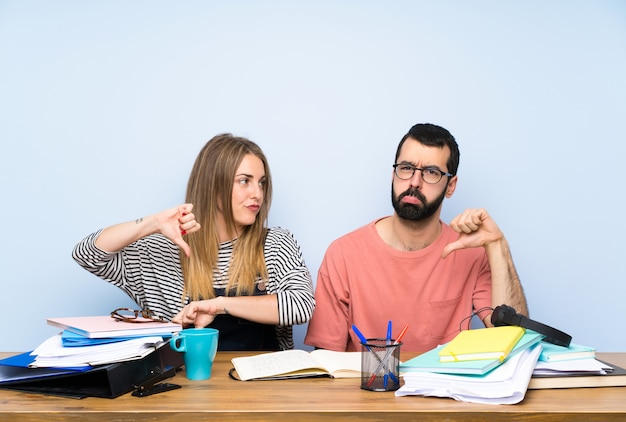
[149, 271]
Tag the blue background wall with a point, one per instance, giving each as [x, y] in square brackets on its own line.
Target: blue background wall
[104, 106]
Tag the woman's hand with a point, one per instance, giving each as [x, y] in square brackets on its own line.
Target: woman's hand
[175, 223]
[199, 313]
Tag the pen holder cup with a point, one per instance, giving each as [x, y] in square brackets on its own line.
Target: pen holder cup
[380, 365]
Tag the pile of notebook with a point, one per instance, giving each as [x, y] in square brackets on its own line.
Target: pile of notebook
[95, 340]
[574, 366]
[98, 340]
[93, 356]
[496, 366]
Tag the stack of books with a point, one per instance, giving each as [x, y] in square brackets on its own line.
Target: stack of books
[574, 366]
[94, 357]
[498, 365]
[98, 340]
[487, 365]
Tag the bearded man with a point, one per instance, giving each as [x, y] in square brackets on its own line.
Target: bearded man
[412, 268]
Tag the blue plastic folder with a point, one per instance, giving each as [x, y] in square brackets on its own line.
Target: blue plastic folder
[71, 339]
[15, 369]
[429, 361]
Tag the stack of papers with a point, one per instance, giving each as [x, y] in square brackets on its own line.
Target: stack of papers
[431, 362]
[98, 340]
[577, 373]
[571, 367]
[574, 360]
[506, 384]
[472, 376]
[53, 354]
[532, 364]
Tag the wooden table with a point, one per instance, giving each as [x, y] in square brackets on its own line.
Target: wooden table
[223, 399]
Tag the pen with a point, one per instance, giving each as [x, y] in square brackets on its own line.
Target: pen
[401, 334]
[383, 363]
[386, 376]
[360, 336]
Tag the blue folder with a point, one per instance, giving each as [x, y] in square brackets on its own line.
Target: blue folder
[71, 339]
[15, 368]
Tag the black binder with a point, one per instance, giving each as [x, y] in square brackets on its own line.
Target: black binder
[108, 381]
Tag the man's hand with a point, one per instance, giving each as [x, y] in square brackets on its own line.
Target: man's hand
[477, 229]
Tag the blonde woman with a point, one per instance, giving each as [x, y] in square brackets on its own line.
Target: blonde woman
[212, 261]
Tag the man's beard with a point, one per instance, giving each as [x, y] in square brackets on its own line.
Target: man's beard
[415, 212]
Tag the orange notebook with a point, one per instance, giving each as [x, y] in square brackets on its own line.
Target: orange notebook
[482, 343]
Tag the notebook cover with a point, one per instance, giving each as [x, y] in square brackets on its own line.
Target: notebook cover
[105, 326]
[552, 352]
[482, 343]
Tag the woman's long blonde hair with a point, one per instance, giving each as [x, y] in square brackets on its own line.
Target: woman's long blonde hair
[211, 183]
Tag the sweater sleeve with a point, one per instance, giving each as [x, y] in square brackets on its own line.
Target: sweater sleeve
[147, 270]
[289, 278]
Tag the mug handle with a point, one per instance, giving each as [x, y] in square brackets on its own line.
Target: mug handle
[177, 343]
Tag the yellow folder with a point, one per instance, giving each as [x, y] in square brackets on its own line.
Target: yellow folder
[482, 343]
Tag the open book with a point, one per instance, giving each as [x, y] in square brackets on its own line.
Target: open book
[298, 364]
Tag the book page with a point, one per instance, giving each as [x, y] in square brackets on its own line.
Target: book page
[339, 364]
[276, 363]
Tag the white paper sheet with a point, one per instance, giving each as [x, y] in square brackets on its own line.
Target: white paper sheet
[506, 384]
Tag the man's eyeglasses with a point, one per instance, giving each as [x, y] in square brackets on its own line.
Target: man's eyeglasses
[429, 175]
[132, 315]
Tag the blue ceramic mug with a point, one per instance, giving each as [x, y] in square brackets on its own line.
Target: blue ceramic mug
[199, 346]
